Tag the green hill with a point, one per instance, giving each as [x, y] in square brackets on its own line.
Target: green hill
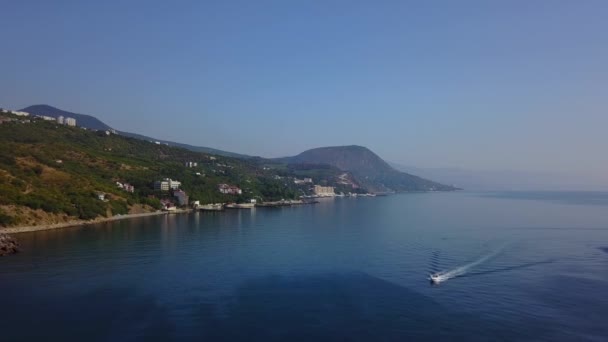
[51, 173]
[91, 122]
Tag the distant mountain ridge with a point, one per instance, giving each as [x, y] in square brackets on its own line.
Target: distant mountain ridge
[91, 122]
[369, 169]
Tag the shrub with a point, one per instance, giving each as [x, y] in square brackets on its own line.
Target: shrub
[89, 208]
[6, 220]
[119, 208]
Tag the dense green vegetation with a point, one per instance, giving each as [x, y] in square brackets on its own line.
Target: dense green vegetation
[61, 170]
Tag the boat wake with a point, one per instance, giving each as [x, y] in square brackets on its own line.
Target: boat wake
[442, 276]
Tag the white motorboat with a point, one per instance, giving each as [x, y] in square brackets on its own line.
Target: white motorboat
[435, 278]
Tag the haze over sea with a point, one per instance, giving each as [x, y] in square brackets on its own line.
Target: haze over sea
[343, 269]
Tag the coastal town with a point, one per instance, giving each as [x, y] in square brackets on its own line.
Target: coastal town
[25, 117]
[200, 182]
[65, 169]
[180, 199]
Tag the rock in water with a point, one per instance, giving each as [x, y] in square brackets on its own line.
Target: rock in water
[8, 245]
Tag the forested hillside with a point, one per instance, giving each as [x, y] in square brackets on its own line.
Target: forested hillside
[52, 173]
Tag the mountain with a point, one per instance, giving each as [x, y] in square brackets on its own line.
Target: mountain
[91, 122]
[368, 168]
[82, 120]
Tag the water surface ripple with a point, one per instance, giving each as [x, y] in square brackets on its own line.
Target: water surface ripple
[525, 266]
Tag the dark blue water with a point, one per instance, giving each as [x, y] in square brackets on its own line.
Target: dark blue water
[341, 270]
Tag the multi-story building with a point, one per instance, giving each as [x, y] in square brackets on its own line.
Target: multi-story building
[324, 191]
[70, 122]
[167, 184]
[60, 119]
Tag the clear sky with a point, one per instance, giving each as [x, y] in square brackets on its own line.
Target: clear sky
[519, 85]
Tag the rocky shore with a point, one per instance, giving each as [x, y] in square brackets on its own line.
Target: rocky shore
[8, 245]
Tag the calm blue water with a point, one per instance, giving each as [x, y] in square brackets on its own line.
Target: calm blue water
[344, 269]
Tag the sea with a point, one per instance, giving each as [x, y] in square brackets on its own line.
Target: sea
[516, 266]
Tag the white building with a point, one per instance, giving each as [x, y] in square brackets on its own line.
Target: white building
[20, 113]
[324, 191]
[70, 122]
[167, 184]
[126, 187]
[60, 119]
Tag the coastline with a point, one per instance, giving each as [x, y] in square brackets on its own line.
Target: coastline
[26, 229]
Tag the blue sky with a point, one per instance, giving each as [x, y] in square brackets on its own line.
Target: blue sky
[518, 85]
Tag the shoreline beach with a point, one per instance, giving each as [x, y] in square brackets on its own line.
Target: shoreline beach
[26, 229]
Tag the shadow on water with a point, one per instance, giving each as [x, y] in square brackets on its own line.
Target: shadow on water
[326, 307]
[506, 269]
[100, 315]
[603, 249]
[338, 307]
[581, 316]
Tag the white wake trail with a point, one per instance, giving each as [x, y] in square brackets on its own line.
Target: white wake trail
[461, 270]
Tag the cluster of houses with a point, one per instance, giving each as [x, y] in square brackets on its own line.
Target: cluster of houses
[229, 189]
[180, 195]
[180, 198]
[3, 120]
[8, 111]
[60, 119]
[126, 187]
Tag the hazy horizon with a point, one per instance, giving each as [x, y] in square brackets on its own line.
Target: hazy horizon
[469, 85]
